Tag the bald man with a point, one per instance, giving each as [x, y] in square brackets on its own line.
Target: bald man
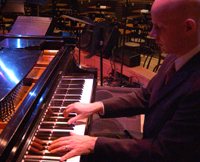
[172, 109]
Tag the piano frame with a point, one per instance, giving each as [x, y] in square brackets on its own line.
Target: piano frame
[16, 136]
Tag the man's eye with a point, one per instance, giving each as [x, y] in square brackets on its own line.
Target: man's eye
[158, 27]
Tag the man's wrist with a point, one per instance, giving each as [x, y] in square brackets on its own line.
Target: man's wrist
[92, 144]
[101, 109]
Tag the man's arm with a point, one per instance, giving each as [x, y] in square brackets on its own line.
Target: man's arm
[177, 140]
[130, 104]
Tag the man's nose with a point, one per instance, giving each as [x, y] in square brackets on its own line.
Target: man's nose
[153, 33]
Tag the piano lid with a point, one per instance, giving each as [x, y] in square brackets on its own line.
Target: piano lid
[21, 43]
[14, 66]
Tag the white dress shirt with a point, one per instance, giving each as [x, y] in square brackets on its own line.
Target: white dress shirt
[186, 57]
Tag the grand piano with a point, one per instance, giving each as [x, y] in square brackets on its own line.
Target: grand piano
[39, 77]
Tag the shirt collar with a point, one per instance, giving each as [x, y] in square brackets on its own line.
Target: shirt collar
[186, 57]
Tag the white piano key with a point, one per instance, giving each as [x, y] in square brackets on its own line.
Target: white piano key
[80, 127]
[33, 157]
[50, 158]
[51, 122]
[74, 159]
[53, 130]
[87, 91]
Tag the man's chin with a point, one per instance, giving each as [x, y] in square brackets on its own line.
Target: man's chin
[164, 50]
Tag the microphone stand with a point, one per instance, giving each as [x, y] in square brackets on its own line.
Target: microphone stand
[101, 54]
[79, 35]
[97, 44]
[122, 61]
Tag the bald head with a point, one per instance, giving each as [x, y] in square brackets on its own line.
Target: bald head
[176, 25]
[180, 9]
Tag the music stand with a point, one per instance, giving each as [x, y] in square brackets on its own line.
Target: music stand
[84, 21]
[97, 44]
[31, 25]
[105, 37]
[38, 3]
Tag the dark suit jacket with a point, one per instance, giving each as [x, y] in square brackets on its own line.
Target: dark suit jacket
[172, 118]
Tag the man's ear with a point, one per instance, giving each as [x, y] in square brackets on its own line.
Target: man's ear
[190, 26]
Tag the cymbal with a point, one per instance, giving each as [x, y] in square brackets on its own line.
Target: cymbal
[79, 20]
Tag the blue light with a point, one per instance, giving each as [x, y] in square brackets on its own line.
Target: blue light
[18, 43]
[2, 75]
[32, 93]
[10, 74]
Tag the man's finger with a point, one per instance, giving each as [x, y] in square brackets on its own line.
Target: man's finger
[73, 120]
[68, 155]
[59, 149]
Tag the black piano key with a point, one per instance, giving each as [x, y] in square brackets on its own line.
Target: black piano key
[57, 126]
[56, 114]
[66, 103]
[56, 110]
[74, 91]
[51, 137]
[52, 117]
[70, 86]
[62, 125]
[58, 119]
[56, 103]
[76, 86]
[51, 134]
[73, 97]
[82, 81]
[65, 86]
[32, 160]
[63, 81]
[71, 115]
[58, 96]
[41, 153]
[47, 138]
[44, 126]
[61, 91]
[61, 110]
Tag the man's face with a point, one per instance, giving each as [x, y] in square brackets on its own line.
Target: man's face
[167, 30]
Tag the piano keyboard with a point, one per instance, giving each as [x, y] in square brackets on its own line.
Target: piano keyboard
[53, 124]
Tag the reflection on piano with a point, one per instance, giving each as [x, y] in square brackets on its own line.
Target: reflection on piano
[53, 80]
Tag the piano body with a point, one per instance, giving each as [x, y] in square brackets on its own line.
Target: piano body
[31, 107]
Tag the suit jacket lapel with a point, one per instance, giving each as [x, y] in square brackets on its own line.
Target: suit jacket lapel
[181, 75]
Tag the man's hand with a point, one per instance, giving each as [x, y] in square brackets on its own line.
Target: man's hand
[75, 145]
[83, 110]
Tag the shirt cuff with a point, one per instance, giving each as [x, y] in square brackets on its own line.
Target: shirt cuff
[103, 111]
